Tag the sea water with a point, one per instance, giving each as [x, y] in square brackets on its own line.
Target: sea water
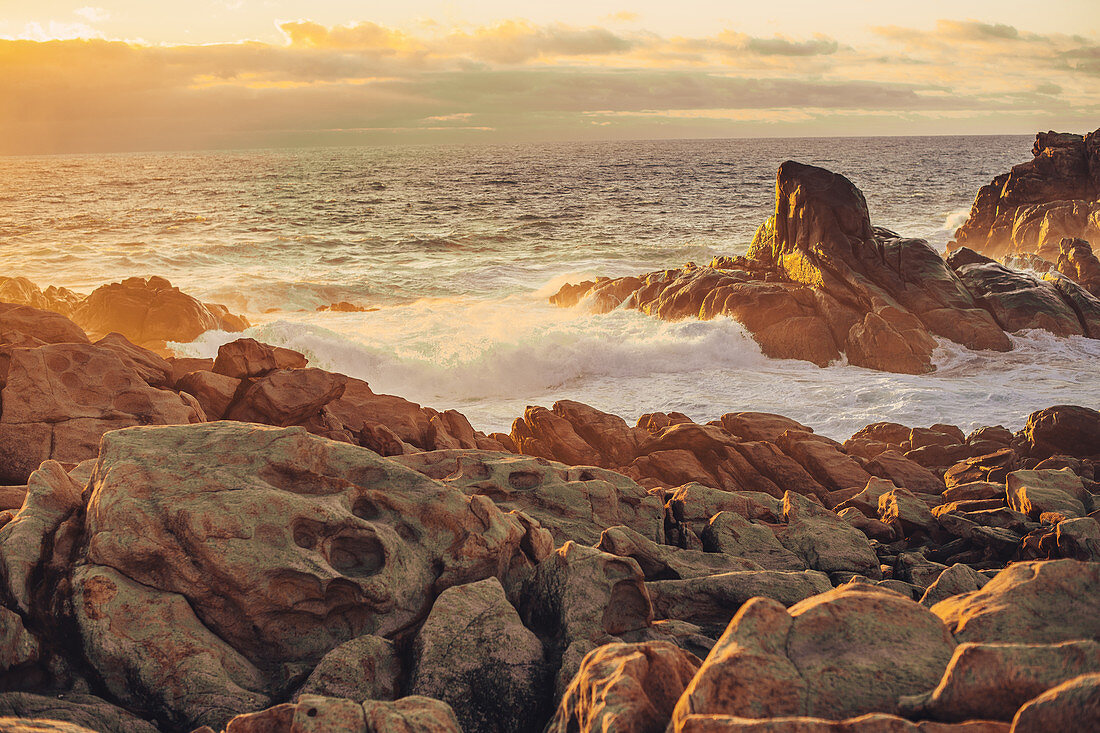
[454, 251]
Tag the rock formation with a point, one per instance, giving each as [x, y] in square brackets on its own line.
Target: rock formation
[1034, 206]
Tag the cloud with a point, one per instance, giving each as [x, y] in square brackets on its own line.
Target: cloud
[518, 80]
[92, 15]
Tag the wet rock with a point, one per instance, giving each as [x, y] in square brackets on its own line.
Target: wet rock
[1028, 602]
[1077, 261]
[627, 687]
[1071, 706]
[365, 668]
[1020, 301]
[846, 652]
[992, 681]
[474, 653]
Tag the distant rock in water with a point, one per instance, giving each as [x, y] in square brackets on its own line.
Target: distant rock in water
[1033, 206]
[819, 281]
[149, 312]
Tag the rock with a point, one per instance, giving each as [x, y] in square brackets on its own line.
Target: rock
[1084, 304]
[214, 392]
[1071, 706]
[910, 513]
[625, 687]
[182, 366]
[994, 468]
[760, 426]
[1019, 301]
[474, 653]
[608, 434]
[873, 528]
[287, 397]
[365, 668]
[992, 681]
[547, 435]
[824, 541]
[842, 653]
[665, 562]
[247, 358]
[21, 291]
[1035, 492]
[1077, 262]
[731, 534]
[905, 474]
[975, 490]
[869, 723]
[713, 600]
[1028, 602]
[80, 712]
[314, 542]
[151, 313]
[580, 593]
[959, 578]
[413, 714]
[60, 399]
[17, 646]
[316, 714]
[1063, 430]
[43, 325]
[573, 503]
[826, 463]
[1011, 213]
[52, 496]
[153, 368]
[867, 501]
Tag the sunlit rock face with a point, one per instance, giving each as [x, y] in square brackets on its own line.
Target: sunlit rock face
[265, 548]
[1036, 204]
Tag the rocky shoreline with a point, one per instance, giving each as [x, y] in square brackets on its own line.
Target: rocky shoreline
[251, 544]
[274, 547]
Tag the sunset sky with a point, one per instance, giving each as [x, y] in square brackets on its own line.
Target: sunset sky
[137, 75]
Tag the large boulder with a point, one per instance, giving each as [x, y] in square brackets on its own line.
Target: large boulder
[152, 312]
[824, 541]
[1077, 261]
[1029, 602]
[846, 652]
[79, 712]
[59, 400]
[365, 668]
[1020, 301]
[220, 561]
[475, 654]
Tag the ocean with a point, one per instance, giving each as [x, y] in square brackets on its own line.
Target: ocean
[455, 249]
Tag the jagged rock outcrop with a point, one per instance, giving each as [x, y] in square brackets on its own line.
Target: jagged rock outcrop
[819, 281]
[1038, 203]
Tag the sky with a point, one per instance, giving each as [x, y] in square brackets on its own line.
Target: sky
[121, 75]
